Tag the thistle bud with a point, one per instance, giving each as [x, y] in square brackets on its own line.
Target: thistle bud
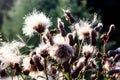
[61, 27]
[66, 67]
[26, 72]
[32, 65]
[99, 27]
[49, 37]
[113, 52]
[76, 49]
[36, 60]
[103, 37]
[98, 54]
[31, 61]
[71, 40]
[111, 29]
[18, 69]
[53, 70]
[111, 72]
[68, 16]
[53, 31]
[44, 53]
[93, 36]
[3, 72]
[32, 53]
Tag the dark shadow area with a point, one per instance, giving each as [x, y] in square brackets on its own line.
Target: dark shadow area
[110, 14]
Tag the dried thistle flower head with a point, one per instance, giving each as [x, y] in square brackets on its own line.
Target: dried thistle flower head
[42, 50]
[83, 29]
[88, 50]
[26, 72]
[10, 53]
[61, 52]
[35, 22]
[68, 16]
[58, 39]
[36, 60]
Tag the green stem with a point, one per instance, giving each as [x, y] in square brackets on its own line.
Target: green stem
[80, 47]
[12, 74]
[40, 38]
[22, 76]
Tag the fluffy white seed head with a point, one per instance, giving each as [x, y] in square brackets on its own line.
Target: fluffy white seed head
[35, 22]
[61, 52]
[87, 49]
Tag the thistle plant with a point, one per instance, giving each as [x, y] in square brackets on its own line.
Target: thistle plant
[60, 55]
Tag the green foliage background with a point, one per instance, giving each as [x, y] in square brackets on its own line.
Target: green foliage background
[52, 8]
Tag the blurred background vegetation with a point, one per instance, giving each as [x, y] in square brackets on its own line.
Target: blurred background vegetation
[13, 11]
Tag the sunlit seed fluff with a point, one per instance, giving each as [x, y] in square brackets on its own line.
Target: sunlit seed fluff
[26, 63]
[10, 52]
[83, 29]
[11, 47]
[106, 66]
[88, 50]
[58, 39]
[35, 22]
[9, 78]
[42, 50]
[61, 52]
